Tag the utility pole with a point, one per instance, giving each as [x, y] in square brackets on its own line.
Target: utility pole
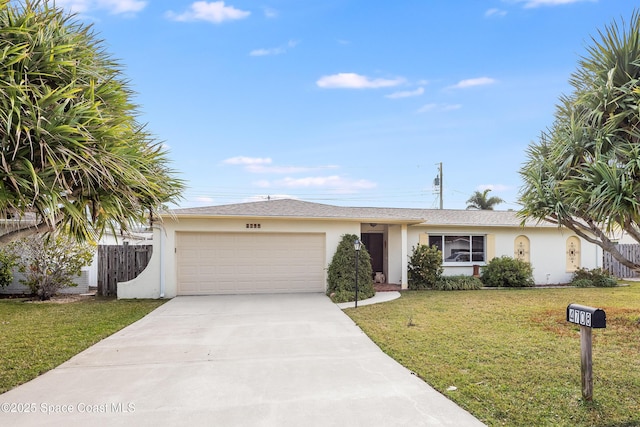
[438, 182]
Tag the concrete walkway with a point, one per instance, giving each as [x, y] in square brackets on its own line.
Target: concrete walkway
[255, 360]
[376, 299]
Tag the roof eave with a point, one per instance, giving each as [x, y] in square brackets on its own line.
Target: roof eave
[409, 221]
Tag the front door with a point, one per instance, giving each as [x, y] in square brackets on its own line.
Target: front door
[374, 244]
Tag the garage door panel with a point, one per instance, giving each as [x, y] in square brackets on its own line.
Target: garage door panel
[225, 263]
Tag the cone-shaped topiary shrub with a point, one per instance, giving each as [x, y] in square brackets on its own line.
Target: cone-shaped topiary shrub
[341, 280]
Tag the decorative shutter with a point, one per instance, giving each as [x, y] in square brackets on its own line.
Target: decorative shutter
[491, 246]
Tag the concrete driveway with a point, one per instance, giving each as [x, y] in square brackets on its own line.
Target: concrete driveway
[238, 360]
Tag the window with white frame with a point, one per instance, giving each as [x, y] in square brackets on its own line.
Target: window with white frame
[461, 248]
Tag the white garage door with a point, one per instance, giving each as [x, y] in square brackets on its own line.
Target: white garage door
[234, 263]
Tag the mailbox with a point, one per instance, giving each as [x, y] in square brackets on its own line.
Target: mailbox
[586, 316]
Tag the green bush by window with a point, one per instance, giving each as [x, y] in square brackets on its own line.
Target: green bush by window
[507, 272]
[458, 283]
[425, 267]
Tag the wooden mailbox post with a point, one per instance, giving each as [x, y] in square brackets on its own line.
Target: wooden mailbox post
[588, 318]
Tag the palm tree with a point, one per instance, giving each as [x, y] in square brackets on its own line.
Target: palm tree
[583, 173]
[480, 201]
[71, 149]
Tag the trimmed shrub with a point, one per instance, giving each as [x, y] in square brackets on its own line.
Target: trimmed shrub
[599, 278]
[582, 283]
[7, 262]
[458, 283]
[341, 275]
[507, 272]
[425, 267]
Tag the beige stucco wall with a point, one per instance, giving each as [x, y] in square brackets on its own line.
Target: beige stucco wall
[163, 262]
[547, 249]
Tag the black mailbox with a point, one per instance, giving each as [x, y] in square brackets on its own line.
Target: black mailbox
[586, 316]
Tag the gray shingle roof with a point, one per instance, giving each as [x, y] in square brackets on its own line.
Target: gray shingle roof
[289, 208]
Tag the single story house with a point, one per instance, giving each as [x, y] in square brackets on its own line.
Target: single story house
[287, 245]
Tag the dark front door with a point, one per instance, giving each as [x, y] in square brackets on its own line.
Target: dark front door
[374, 244]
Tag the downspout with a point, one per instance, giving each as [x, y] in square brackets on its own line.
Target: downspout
[162, 272]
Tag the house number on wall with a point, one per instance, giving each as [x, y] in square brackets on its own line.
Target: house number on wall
[253, 226]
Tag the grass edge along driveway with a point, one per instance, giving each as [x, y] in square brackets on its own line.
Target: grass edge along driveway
[38, 336]
[510, 354]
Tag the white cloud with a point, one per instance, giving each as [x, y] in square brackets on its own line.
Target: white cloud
[406, 93]
[215, 12]
[530, 4]
[274, 51]
[74, 6]
[277, 169]
[203, 199]
[247, 161]
[495, 12]
[439, 108]
[263, 183]
[266, 52]
[122, 6]
[494, 187]
[263, 165]
[355, 81]
[335, 183]
[263, 197]
[479, 81]
[270, 13]
[197, 201]
[113, 6]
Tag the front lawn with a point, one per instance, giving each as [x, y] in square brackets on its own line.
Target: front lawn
[38, 336]
[511, 355]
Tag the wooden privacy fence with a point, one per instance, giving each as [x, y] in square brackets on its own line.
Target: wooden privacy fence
[631, 252]
[120, 263]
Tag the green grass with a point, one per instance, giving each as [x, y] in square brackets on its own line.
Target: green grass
[511, 354]
[36, 337]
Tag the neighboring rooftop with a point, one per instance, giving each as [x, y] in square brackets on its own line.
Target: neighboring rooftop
[290, 208]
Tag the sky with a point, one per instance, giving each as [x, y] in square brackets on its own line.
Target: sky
[348, 102]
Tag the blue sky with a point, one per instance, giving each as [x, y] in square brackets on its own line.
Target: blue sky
[348, 102]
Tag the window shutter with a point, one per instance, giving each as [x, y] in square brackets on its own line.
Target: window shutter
[423, 239]
[491, 247]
